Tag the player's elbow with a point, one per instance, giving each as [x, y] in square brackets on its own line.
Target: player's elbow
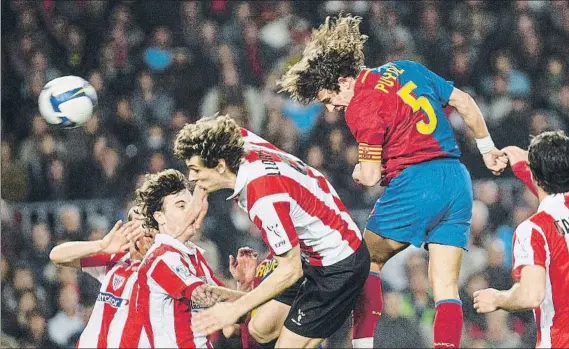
[55, 257]
[460, 100]
[534, 297]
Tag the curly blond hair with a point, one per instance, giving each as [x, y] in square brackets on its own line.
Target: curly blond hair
[212, 139]
[335, 50]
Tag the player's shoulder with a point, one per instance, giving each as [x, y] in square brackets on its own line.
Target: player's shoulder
[160, 252]
[536, 222]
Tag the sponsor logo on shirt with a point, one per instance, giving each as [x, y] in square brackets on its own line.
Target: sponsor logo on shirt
[182, 272]
[112, 300]
[266, 268]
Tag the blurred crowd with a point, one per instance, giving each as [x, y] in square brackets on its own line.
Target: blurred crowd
[158, 65]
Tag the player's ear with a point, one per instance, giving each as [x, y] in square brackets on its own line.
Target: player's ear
[159, 217]
[221, 166]
[344, 81]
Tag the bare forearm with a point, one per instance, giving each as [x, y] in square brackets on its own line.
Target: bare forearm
[515, 299]
[229, 294]
[470, 113]
[69, 253]
[275, 284]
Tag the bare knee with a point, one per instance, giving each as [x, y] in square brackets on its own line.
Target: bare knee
[261, 332]
[381, 249]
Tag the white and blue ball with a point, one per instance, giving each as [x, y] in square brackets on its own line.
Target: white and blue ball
[67, 101]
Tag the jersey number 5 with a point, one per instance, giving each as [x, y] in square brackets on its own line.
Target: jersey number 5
[423, 103]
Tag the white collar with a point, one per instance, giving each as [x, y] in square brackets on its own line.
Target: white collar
[551, 200]
[170, 241]
[241, 179]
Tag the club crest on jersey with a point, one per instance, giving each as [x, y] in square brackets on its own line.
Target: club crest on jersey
[117, 281]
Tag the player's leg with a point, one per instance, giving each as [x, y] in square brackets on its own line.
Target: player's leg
[446, 243]
[267, 321]
[444, 268]
[370, 305]
[341, 338]
[289, 339]
[325, 301]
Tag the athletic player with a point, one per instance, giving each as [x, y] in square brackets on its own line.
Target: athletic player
[111, 324]
[298, 213]
[270, 317]
[172, 277]
[395, 112]
[541, 248]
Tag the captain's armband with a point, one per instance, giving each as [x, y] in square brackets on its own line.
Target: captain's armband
[369, 153]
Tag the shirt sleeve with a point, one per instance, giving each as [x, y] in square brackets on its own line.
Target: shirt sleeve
[97, 265]
[443, 88]
[367, 125]
[529, 248]
[522, 172]
[269, 207]
[173, 276]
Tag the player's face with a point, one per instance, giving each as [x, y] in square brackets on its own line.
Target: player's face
[210, 179]
[174, 211]
[338, 100]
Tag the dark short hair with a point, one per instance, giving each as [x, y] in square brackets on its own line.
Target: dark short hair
[549, 161]
[150, 196]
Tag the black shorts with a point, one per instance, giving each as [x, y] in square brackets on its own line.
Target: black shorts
[289, 295]
[328, 295]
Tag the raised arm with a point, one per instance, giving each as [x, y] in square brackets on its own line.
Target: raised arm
[467, 108]
[70, 253]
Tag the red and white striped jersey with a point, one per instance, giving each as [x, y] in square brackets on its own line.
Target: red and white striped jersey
[543, 240]
[168, 275]
[110, 319]
[292, 203]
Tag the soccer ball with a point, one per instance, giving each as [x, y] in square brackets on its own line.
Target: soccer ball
[67, 101]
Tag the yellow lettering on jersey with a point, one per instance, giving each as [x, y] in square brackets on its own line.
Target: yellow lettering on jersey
[388, 78]
[423, 103]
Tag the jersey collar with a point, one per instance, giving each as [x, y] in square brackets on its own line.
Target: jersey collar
[551, 200]
[241, 179]
[170, 241]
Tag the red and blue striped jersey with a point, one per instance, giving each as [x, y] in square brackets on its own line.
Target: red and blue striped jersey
[397, 116]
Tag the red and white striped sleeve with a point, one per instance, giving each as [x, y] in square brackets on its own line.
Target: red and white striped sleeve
[522, 172]
[171, 273]
[269, 206]
[529, 248]
[99, 264]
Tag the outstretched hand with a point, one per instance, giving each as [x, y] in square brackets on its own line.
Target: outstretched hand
[195, 215]
[215, 318]
[243, 267]
[485, 300]
[206, 295]
[496, 161]
[515, 154]
[117, 239]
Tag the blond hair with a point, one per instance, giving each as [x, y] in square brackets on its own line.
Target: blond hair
[212, 139]
[335, 50]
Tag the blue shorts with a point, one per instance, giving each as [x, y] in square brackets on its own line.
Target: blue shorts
[430, 202]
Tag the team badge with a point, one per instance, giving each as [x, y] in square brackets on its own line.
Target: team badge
[117, 281]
